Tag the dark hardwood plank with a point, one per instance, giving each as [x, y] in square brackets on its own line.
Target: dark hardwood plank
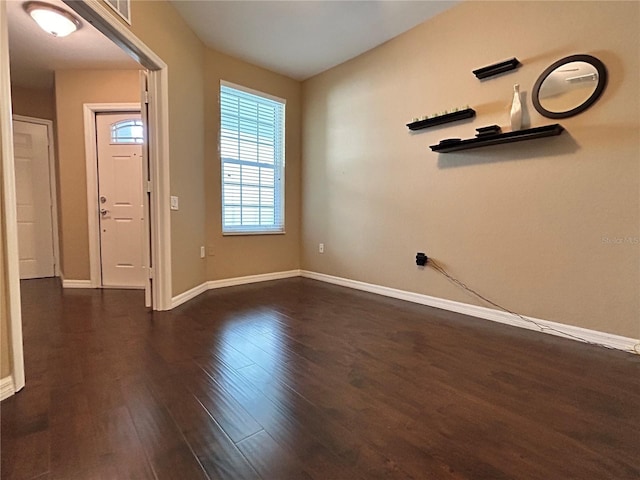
[270, 460]
[168, 452]
[300, 379]
[76, 445]
[126, 452]
[232, 417]
[26, 456]
[352, 441]
[215, 450]
[284, 428]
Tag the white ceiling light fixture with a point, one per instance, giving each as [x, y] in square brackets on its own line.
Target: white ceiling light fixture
[52, 19]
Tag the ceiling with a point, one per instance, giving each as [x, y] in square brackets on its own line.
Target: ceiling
[34, 55]
[295, 38]
[302, 38]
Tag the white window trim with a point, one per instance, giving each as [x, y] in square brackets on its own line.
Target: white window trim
[242, 88]
[266, 231]
[127, 17]
[253, 232]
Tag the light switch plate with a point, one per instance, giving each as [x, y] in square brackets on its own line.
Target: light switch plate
[174, 203]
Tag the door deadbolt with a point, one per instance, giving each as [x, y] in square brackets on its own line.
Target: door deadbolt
[103, 199]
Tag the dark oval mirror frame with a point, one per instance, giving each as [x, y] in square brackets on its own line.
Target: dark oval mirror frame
[602, 82]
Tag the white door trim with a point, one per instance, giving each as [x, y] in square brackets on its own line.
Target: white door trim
[160, 216]
[52, 184]
[9, 212]
[101, 18]
[91, 157]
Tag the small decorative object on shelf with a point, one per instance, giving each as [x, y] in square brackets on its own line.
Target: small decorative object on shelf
[497, 68]
[448, 141]
[454, 144]
[516, 109]
[439, 119]
[488, 130]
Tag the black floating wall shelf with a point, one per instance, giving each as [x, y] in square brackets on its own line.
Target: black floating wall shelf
[497, 68]
[452, 145]
[440, 119]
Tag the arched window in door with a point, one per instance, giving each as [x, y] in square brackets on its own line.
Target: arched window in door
[127, 131]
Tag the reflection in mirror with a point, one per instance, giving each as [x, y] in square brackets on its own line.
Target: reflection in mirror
[569, 86]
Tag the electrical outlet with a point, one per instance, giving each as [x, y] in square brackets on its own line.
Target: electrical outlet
[421, 259]
[174, 203]
[202, 252]
[321, 248]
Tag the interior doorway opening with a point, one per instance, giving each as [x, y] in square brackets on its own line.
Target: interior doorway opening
[93, 12]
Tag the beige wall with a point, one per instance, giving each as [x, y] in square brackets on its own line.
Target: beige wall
[33, 102]
[74, 88]
[236, 256]
[524, 224]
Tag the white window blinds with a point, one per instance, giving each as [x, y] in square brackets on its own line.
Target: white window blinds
[252, 156]
[122, 8]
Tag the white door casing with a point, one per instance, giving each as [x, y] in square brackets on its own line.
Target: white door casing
[147, 248]
[35, 199]
[120, 203]
[8, 212]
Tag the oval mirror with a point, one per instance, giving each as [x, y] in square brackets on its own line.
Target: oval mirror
[569, 86]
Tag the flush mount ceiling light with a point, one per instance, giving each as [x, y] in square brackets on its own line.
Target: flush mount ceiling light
[51, 19]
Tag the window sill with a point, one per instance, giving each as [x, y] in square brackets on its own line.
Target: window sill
[236, 234]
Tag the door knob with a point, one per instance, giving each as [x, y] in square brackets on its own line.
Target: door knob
[104, 211]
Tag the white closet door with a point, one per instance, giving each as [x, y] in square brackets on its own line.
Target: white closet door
[33, 199]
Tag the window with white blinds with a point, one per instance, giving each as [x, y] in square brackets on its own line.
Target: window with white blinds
[122, 8]
[252, 157]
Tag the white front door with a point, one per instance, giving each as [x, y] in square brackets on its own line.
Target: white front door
[33, 200]
[120, 199]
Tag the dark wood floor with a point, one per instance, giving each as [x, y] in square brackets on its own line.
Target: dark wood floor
[296, 379]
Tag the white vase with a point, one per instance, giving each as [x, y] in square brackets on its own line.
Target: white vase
[516, 109]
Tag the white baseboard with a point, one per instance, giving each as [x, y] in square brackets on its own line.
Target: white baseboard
[120, 287]
[76, 283]
[7, 387]
[188, 295]
[230, 282]
[566, 331]
[545, 326]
